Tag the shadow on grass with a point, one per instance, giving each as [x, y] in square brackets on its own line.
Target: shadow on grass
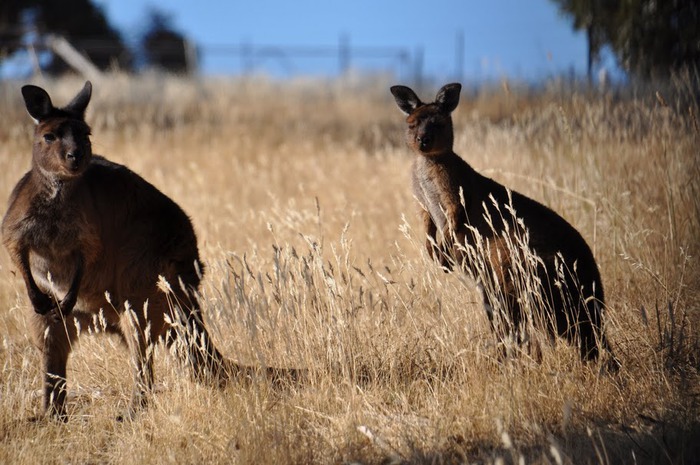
[650, 442]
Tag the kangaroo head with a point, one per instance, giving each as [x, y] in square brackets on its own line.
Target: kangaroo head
[429, 124]
[61, 138]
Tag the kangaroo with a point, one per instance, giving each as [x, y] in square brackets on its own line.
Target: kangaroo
[92, 241]
[462, 213]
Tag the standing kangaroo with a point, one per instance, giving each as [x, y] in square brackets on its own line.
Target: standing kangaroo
[466, 228]
[92, 239]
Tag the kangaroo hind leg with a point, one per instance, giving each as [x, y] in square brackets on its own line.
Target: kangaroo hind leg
[141, 327]
[55, 338]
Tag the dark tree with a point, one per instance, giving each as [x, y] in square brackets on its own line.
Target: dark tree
[11, 30]
[588, 16]
[163, 46]
[650, 38]
[86, 27]
[83, 24]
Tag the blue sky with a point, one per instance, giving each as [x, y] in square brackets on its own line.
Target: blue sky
[525, 39]
[519, 39]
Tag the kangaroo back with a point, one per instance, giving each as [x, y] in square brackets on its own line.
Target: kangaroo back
[475, 223]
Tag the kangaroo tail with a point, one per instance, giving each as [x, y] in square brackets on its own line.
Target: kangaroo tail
[209, 366]
[200, 353]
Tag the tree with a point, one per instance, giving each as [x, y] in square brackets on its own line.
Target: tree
[163, 46]
[587, 15]
[83, 24]
[88, 30]
[650, 38]
[11, 30]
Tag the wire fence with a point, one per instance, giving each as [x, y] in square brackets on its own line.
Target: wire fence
[242, 58]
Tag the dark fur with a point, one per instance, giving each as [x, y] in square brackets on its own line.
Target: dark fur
[439, 174]
[97, 227]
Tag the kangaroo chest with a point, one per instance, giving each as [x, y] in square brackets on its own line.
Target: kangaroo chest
[55, 235]
[434, 190]
[51, 228]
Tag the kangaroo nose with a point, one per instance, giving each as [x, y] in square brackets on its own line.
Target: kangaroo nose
[424, 141]
[73, 160]
[73, 156]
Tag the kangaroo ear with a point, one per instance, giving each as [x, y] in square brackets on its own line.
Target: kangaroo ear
[406, 99]
[448, 97]
[80, 102]
[38, 102]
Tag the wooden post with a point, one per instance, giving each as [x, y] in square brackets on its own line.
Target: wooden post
[459, 56]
[344, 54]
[192, 63]
[61, 47]
[418, 68]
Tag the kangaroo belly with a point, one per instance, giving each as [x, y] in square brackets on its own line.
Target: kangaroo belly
[52, 274]
[55, 275]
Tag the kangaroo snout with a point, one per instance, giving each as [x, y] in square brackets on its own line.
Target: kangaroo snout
[424, 142]
[74, 159]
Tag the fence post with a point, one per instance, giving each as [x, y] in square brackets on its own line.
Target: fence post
[247, 57]
[61, 47]
[344, 53]
[418, 68]
[459, 56]
[191, 61]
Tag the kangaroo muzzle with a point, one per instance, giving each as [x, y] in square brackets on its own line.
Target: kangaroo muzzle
[74, 160]
[424, 142]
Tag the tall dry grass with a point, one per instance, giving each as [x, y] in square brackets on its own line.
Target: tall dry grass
[300, 195]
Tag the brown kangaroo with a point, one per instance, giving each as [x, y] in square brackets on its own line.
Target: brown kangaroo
[468, 225]
[92, 239]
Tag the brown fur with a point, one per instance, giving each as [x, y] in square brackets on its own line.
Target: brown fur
[455, 201]
[78, 227]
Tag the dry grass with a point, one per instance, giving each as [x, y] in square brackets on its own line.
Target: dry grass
[300, 195]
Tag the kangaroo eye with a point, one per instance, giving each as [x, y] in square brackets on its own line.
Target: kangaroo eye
[49, 137]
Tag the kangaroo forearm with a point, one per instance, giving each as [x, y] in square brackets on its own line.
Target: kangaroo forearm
[26, 271]
[41, 302]
[71, 296]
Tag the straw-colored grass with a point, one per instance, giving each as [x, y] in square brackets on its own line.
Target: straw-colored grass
[300, 194]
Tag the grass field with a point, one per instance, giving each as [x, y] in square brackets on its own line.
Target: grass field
[300, 194]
